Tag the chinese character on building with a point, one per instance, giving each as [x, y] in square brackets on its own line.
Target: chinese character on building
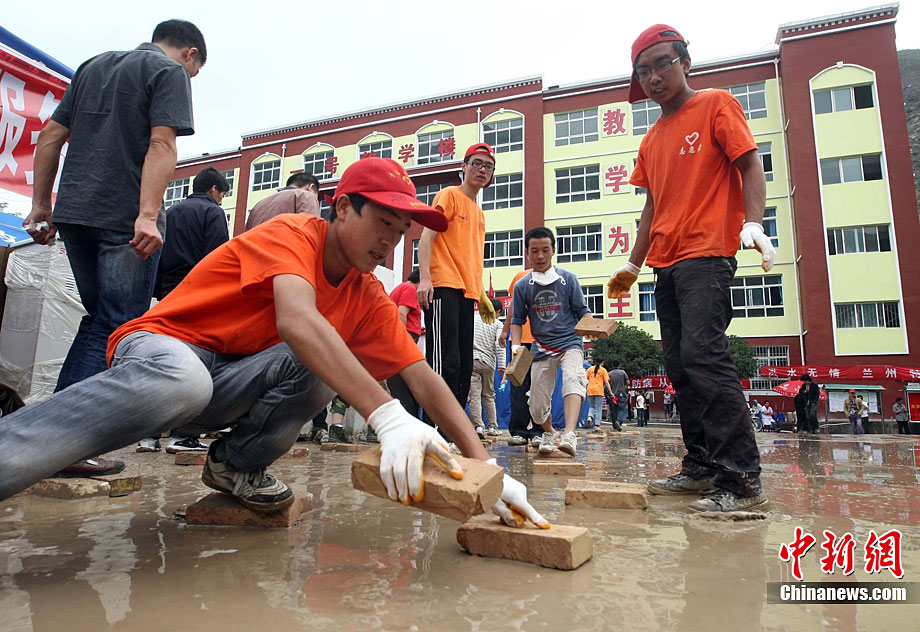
[619, 238]
[619, 307]
[369, 154]
[616, 179]
[446, 146]
[332, 165]
[833, 373]
[406, 152]
[614, 122]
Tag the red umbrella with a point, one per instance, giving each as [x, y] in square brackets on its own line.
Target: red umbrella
[670, 389]
[791, 389]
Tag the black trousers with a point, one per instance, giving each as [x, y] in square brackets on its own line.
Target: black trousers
[449, 341]
[520, 410]
[400, 390]
[694, 306]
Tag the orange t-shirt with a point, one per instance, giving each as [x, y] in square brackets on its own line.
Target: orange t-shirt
[526, 335]
[456, 254]
[226, 303]
[685, 161]
[596, 381]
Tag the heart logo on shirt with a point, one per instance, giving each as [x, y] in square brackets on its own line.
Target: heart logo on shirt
[692, 138]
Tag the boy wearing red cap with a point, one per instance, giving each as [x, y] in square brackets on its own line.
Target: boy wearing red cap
[706, 193]
[450, 274]
[248, 339]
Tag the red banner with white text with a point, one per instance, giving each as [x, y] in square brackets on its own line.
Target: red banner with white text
[859, 372]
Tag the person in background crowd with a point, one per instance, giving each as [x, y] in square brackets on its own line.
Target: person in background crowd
[766, 413]
[300, 194]
[901, 415]
[487, 351]
[851, 408]
[598, 385]
[863, 415]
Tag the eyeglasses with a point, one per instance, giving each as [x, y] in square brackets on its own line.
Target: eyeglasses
[645, 72]
[478, 164]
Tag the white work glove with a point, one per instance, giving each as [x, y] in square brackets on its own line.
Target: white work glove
[404, 443]
[515, 349]
[513, 507]
[752, 236]
[621, 280]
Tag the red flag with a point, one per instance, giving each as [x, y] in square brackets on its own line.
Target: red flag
[491, 291]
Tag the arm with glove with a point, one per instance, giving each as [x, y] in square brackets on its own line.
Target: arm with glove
[754, 191]
[622, 280]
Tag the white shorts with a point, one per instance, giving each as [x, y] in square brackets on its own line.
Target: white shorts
[543, 381]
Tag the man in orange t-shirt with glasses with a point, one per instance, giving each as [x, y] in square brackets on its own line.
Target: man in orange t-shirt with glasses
[706, 193]
[450, 275]
[259, 335]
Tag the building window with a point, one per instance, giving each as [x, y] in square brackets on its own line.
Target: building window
[757, 296]
[578, 243]
[861, 315]
[853, 239]
[230, 177]
[427, 192]
[325, 209]
[383, 149]
[773, 355]
[644, 115]
[578, 184]
[504, 249]
[316, 164]
[765, 151]
[595, 296]
[266, 175]
[435, 147]
[573, 128]
[853, 169]
[504, 136]
[507, 191]
[176, 191]
[769, 225]
[415, 253]
[638, 190]
[842, 99]
[753, 99]
[647, 302]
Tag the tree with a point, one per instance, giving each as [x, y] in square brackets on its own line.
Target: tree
[639, 354]
[743, 356]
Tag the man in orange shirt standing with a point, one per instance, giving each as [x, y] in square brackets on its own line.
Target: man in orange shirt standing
[450, 274]
[706, 193]
[259, 334]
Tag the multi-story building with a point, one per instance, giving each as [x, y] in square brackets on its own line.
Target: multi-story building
[826, 111]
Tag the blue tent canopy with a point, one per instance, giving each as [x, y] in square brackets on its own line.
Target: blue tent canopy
[11, 231]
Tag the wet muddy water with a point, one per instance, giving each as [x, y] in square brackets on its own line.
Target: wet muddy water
[361, 563]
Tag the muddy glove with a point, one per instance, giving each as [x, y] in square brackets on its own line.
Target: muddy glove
[752, 236]
[513, 507]
[404, 443]
[486, 311]
[621, 280]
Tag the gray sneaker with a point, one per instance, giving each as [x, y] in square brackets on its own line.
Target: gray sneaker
[255, 490]
[548, 442]
[725, 501]
[337, 435]
[678, 484]
[568, 443]
[494, 432]
[319, 435]
[516, 440]
[150, 444]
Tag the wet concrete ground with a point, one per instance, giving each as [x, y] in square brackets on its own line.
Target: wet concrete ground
[360, 563]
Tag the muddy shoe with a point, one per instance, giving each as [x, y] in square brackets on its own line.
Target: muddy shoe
[188, 444]
[480, 432]
[150, 444]
[725, 501]
[516, 440]
[548, 442]
[91, 467]
[678, 484]
[371, 436]
[256, 490]
[494, 432]
[337, 435]
[319, 435]
[568, 443]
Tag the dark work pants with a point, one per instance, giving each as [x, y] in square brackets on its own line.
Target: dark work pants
[520, 410]
[400, 390]
[694, 309]
[449, 341]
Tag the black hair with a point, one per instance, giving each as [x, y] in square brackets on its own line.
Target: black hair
[357, 202]
[680, 48]
[179, 34]
[900, 399]
[540, 232]
[805, 377]
[210, 177]
[303, 179]
[496, 305]
[615, 364]
[598, 361]
[414, 276]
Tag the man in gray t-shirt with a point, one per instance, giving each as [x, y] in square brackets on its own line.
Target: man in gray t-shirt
[618, 382]
[122, 113]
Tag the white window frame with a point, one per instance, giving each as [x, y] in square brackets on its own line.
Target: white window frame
[644, 115]
[499, 194]
[744, 92]
[427, 192]
[582, 242]
[430, 141]
[230, 176]
[583, 175]
[827, 166]
[765, 153]
[176, 191]
[838, 97]
[647, 310]
[770, 228]
[859, 313]
[415, 253]
[848, 240]
[504, 248]
[596, 298]
[266, 174]
[382, 148]
[769, 355]
[583, 120]
[748, 288]
[314, 159]
[508, 127]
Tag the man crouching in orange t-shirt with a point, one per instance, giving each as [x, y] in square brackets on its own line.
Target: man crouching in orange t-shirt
[706, 193]
[258, 337]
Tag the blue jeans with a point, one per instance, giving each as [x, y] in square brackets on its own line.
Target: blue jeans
[596, 408]
[115, 286]
[622, 407]
[158, 383]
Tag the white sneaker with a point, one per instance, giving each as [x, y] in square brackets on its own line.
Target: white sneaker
[480, 431]
[149, 444]
[568, 443]
[548, 442]
[536, 441]
[188, 444]
[494, 432]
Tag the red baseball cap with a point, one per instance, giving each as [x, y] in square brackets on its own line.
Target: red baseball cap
[649, 37]
[385, 182]
[483, 149]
